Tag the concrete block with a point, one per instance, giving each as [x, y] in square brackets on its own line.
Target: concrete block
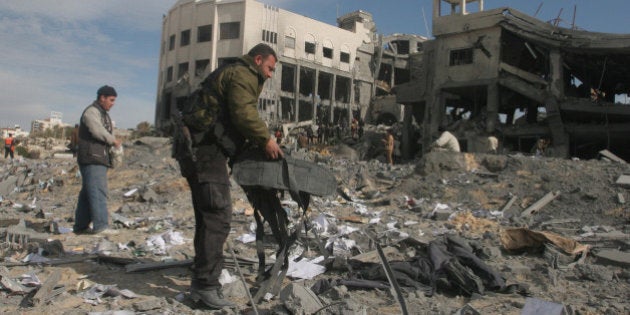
[535, 306]
[299, 299]
[613, 256]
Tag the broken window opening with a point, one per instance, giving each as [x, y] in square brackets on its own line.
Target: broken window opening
[230, 30]
[328, 53]
[204, 33]
[342, 89]
[171, 42]
[401, 47]
[461, 57]
[324, 87]
[344, 57]
[169, 74]
[167, 104]
[184, 39]
[182, 69]
[309, 47]
[200, 66]
[287, 80]
[307, 81]
[306, 111]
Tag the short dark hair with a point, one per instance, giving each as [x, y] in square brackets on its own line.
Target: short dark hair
[262, 49]
[106, 90]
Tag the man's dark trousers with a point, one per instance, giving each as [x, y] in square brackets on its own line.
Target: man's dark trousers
[213, 213]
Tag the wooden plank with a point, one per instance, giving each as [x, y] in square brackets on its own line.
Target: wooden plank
[45, 291]
[611, 156]
[540, 203]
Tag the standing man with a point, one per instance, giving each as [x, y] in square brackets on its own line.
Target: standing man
[235, 90]
[9, 146]
[95, 139]
[389, 146]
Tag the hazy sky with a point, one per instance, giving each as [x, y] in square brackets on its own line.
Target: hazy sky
[55, 54]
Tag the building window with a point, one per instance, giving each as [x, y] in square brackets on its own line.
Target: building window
[183, 69]
[344, 57]
[328, 53]
[461, 57]
[171, 42]
[289, 42]
[204, 33]
[269, 36]
[227, 61]
[309, 47]
[184, 38]
[230, 30]
[169, 74]
[200, 66]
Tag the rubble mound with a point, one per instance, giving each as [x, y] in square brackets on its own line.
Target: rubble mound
[410, 209]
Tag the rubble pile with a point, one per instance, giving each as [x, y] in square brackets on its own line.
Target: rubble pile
[443, 234]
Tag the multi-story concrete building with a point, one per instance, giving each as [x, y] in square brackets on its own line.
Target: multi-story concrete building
[324, 72]
[497, 64]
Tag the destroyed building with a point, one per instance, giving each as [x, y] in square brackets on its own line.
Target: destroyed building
[318, 66]
[325, 73]
[501, 71]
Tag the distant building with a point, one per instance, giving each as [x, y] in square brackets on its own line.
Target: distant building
[16, 131]
[55, 119]
[324, 72]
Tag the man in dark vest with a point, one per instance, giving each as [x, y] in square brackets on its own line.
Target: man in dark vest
[95, 140]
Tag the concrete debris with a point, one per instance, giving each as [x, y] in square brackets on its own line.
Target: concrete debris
[299, 299]
[469, 196]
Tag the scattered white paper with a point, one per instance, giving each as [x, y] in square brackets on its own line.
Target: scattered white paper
[247, 238]
[305, 268]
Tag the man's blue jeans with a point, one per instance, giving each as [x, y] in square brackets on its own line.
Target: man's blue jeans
[92, 204]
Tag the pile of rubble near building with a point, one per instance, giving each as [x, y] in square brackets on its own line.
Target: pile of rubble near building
[448, 233]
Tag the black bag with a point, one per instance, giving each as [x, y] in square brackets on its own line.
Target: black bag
[198, 122]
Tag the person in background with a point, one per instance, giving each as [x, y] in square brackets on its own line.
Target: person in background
[389, 146]
[95, 140]
[9, 146]
[446, 142]
[74, 140]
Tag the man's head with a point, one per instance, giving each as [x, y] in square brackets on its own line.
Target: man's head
[106, 96]
[10, 135]
[265, 58]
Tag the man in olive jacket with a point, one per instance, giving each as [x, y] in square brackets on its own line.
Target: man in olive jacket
[234, 88]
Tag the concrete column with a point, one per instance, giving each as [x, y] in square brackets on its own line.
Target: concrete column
[315, 94]
[492, 107]
[297, 92]
[557, 74]
[333, 102]
[406, 132]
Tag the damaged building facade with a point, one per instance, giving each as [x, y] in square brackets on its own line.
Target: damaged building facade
[323, 72]
[505, 73]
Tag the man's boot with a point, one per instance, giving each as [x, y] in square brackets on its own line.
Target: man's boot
[212, 297]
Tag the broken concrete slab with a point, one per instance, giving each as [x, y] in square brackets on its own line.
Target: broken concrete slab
[609, 155]
[623, 180]
[299, 299]
[613, 256]
[534, 306]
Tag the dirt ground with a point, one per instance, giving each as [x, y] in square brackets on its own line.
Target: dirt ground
[407, 206]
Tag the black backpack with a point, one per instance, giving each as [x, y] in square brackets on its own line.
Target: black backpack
[196, 122]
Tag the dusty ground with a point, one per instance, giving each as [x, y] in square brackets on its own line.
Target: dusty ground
[470, 189]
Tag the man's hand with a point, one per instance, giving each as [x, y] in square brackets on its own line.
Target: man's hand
[272, 150]
[117, 143]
